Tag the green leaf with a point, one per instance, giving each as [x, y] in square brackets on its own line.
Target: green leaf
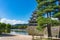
[57, 15]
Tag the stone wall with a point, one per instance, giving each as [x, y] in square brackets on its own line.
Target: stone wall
[33, 31]
[54, 31]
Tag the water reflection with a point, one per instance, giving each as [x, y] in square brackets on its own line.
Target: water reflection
[19, 31]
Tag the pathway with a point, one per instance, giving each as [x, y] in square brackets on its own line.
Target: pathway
[18, 37]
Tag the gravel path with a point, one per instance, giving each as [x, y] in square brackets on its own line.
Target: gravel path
[18, 37]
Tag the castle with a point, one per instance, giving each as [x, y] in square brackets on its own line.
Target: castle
[32, 21]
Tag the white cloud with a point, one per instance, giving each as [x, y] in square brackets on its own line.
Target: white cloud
[12, 22]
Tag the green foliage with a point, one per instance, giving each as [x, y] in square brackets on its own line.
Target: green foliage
[39, 13]
[42, 22]
[55, 23]
[40, 28]
[38, 1]
[57, 15]
[7, 28]
[45, 7]
[4, 28]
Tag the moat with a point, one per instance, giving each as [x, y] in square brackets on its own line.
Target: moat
[19, 31]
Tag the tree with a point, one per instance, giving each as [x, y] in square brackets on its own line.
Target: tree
[7, 28]
[46, 7]
[4, 28]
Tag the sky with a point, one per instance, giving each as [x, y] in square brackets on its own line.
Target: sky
[16, 11]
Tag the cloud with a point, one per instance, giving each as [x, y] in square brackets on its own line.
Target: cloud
[12, 22]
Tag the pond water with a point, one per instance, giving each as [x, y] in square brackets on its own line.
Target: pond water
[19, 31]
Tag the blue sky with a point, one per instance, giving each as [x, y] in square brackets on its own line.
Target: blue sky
[17, 9]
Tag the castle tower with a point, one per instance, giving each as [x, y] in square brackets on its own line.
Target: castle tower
[32, 21]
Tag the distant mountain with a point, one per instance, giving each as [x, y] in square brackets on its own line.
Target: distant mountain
[20, 25]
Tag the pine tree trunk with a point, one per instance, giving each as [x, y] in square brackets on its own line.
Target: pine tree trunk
[49, 27]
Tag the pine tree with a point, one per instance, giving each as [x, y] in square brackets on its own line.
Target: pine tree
[46, 7]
